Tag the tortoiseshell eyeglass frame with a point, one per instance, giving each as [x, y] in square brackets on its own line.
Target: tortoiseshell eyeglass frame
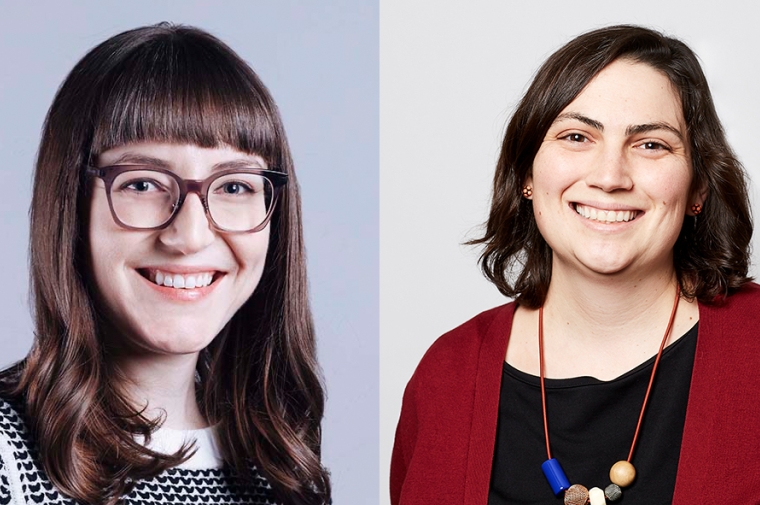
[186, 186]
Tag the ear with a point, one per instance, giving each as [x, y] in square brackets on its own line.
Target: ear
[528, 182]
[699, 196]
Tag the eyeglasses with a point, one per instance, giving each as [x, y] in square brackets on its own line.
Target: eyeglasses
[146, 198]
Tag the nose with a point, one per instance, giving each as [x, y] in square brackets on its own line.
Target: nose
[190, 231]
[610, 170]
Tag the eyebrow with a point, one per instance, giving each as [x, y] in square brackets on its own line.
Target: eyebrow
[240, 163]
[630, 130]
[140, 159]
[657, 125]
[580, 117]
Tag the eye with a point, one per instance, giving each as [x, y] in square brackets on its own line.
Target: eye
[140, 186]
[235, 188]
[575, 137]
[653, 146]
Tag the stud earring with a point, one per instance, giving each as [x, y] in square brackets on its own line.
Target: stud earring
[527, 191]
[696, 208]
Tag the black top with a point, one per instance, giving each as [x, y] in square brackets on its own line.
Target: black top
[591, 426]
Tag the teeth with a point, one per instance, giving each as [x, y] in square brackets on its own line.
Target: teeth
[200, 280]
[179, 281]
[606, 216]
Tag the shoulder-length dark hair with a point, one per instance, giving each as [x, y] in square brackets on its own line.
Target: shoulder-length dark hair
[259, 379]
[711, 253]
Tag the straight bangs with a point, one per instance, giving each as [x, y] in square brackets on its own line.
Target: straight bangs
[179, 88]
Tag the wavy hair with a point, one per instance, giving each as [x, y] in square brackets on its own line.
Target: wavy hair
[258, 380]
[711, 254]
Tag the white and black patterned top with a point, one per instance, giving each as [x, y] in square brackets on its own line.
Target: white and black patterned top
[202, 479]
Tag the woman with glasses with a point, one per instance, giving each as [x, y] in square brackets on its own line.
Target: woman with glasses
[626, 369]
[174, 356]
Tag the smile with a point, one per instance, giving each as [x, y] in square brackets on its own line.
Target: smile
[605, 216]
[179, 281]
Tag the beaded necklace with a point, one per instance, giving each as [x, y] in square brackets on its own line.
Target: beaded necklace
[623, 472]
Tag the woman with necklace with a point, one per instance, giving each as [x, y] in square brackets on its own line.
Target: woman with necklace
[624, 371]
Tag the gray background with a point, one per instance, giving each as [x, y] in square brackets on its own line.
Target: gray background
[320, 61]
[451, 74]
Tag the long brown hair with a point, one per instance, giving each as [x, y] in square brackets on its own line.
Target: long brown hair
[711, 254]
[259, 379]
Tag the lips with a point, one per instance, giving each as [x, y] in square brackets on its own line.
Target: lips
[605, 215]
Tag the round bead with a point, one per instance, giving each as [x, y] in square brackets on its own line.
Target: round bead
[596, 496]
[576, 495]
[613, 492]
[622, 473]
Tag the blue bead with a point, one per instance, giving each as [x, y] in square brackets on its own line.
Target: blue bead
[556, 477]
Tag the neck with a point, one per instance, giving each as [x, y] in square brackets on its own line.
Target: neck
[603, 326]
[604, 307]
[165, 386]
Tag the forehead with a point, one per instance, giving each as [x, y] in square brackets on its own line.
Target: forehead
[178, 156]
[626, 92]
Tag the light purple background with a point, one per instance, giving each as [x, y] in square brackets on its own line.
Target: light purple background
[320, 61]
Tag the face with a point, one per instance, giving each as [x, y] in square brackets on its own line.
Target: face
[611, 180]
[218, 270]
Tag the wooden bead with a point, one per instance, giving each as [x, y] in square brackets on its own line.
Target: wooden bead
[622, 473]
[613, 492]
[576, 495]
[596, 496]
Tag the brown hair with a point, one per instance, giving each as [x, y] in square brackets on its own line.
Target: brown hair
[259, 379]
[711, 254]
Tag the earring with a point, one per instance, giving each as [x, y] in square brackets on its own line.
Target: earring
[696, 208]
[527, 191]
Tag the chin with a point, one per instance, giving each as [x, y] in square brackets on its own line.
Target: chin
[179, 346]
[607, 271]
[181, 339]
[609, 265]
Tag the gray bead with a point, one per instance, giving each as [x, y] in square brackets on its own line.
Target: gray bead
[613, 492]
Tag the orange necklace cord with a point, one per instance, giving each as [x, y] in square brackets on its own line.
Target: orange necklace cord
[541, 367]
[649, 387]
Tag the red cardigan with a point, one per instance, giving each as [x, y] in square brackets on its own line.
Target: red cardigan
[446, 435]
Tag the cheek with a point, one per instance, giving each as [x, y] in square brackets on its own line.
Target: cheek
[109, 249]
[250, 253]
[102, 246]
[552, 173]
[551, 176]
[105, 275]
[671, 187]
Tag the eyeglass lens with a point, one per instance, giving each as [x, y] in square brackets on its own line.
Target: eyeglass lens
[147, 199]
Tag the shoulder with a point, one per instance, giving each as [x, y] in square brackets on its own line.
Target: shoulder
[12, 425]
[461, 360]
[449, 406]
[722, 402]
[14, 452]
[6, 495]
[456, 353]
[728, 344]
[13, 428]
[748, 294]
[741, 306]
